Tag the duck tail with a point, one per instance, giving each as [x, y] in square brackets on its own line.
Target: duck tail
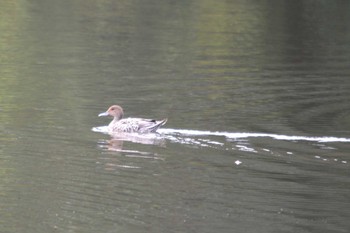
[157, 125]
[162, 122]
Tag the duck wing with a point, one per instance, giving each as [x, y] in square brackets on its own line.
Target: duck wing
[150, 125]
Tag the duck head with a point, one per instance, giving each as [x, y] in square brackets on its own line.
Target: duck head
[115, 111]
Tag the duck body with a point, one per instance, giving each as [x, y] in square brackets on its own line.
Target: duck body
[130, 125]
[135, 125]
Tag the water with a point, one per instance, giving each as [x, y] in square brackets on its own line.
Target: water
[257, 97]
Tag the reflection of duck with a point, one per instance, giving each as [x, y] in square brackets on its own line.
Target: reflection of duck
[117, 143]
[146, 139]
[130, 125]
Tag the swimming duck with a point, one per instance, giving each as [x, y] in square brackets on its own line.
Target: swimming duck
[130, 125]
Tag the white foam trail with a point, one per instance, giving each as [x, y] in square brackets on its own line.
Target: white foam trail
[251, 135]
[232, 135]
[100, 129]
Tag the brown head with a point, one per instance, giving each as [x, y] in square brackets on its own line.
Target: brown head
[115, 111]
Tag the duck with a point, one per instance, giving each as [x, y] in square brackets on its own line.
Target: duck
[130, 125]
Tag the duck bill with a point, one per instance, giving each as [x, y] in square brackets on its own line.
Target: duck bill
[103, 114]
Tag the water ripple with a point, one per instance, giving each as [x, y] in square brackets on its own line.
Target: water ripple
[234, 135]
[230, 135]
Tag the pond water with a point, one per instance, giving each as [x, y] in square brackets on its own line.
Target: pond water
[257, 96]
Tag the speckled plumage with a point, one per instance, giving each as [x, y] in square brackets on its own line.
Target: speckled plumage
[130, 125]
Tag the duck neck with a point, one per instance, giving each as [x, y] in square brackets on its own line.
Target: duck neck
[114, 121]
[116, 118]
